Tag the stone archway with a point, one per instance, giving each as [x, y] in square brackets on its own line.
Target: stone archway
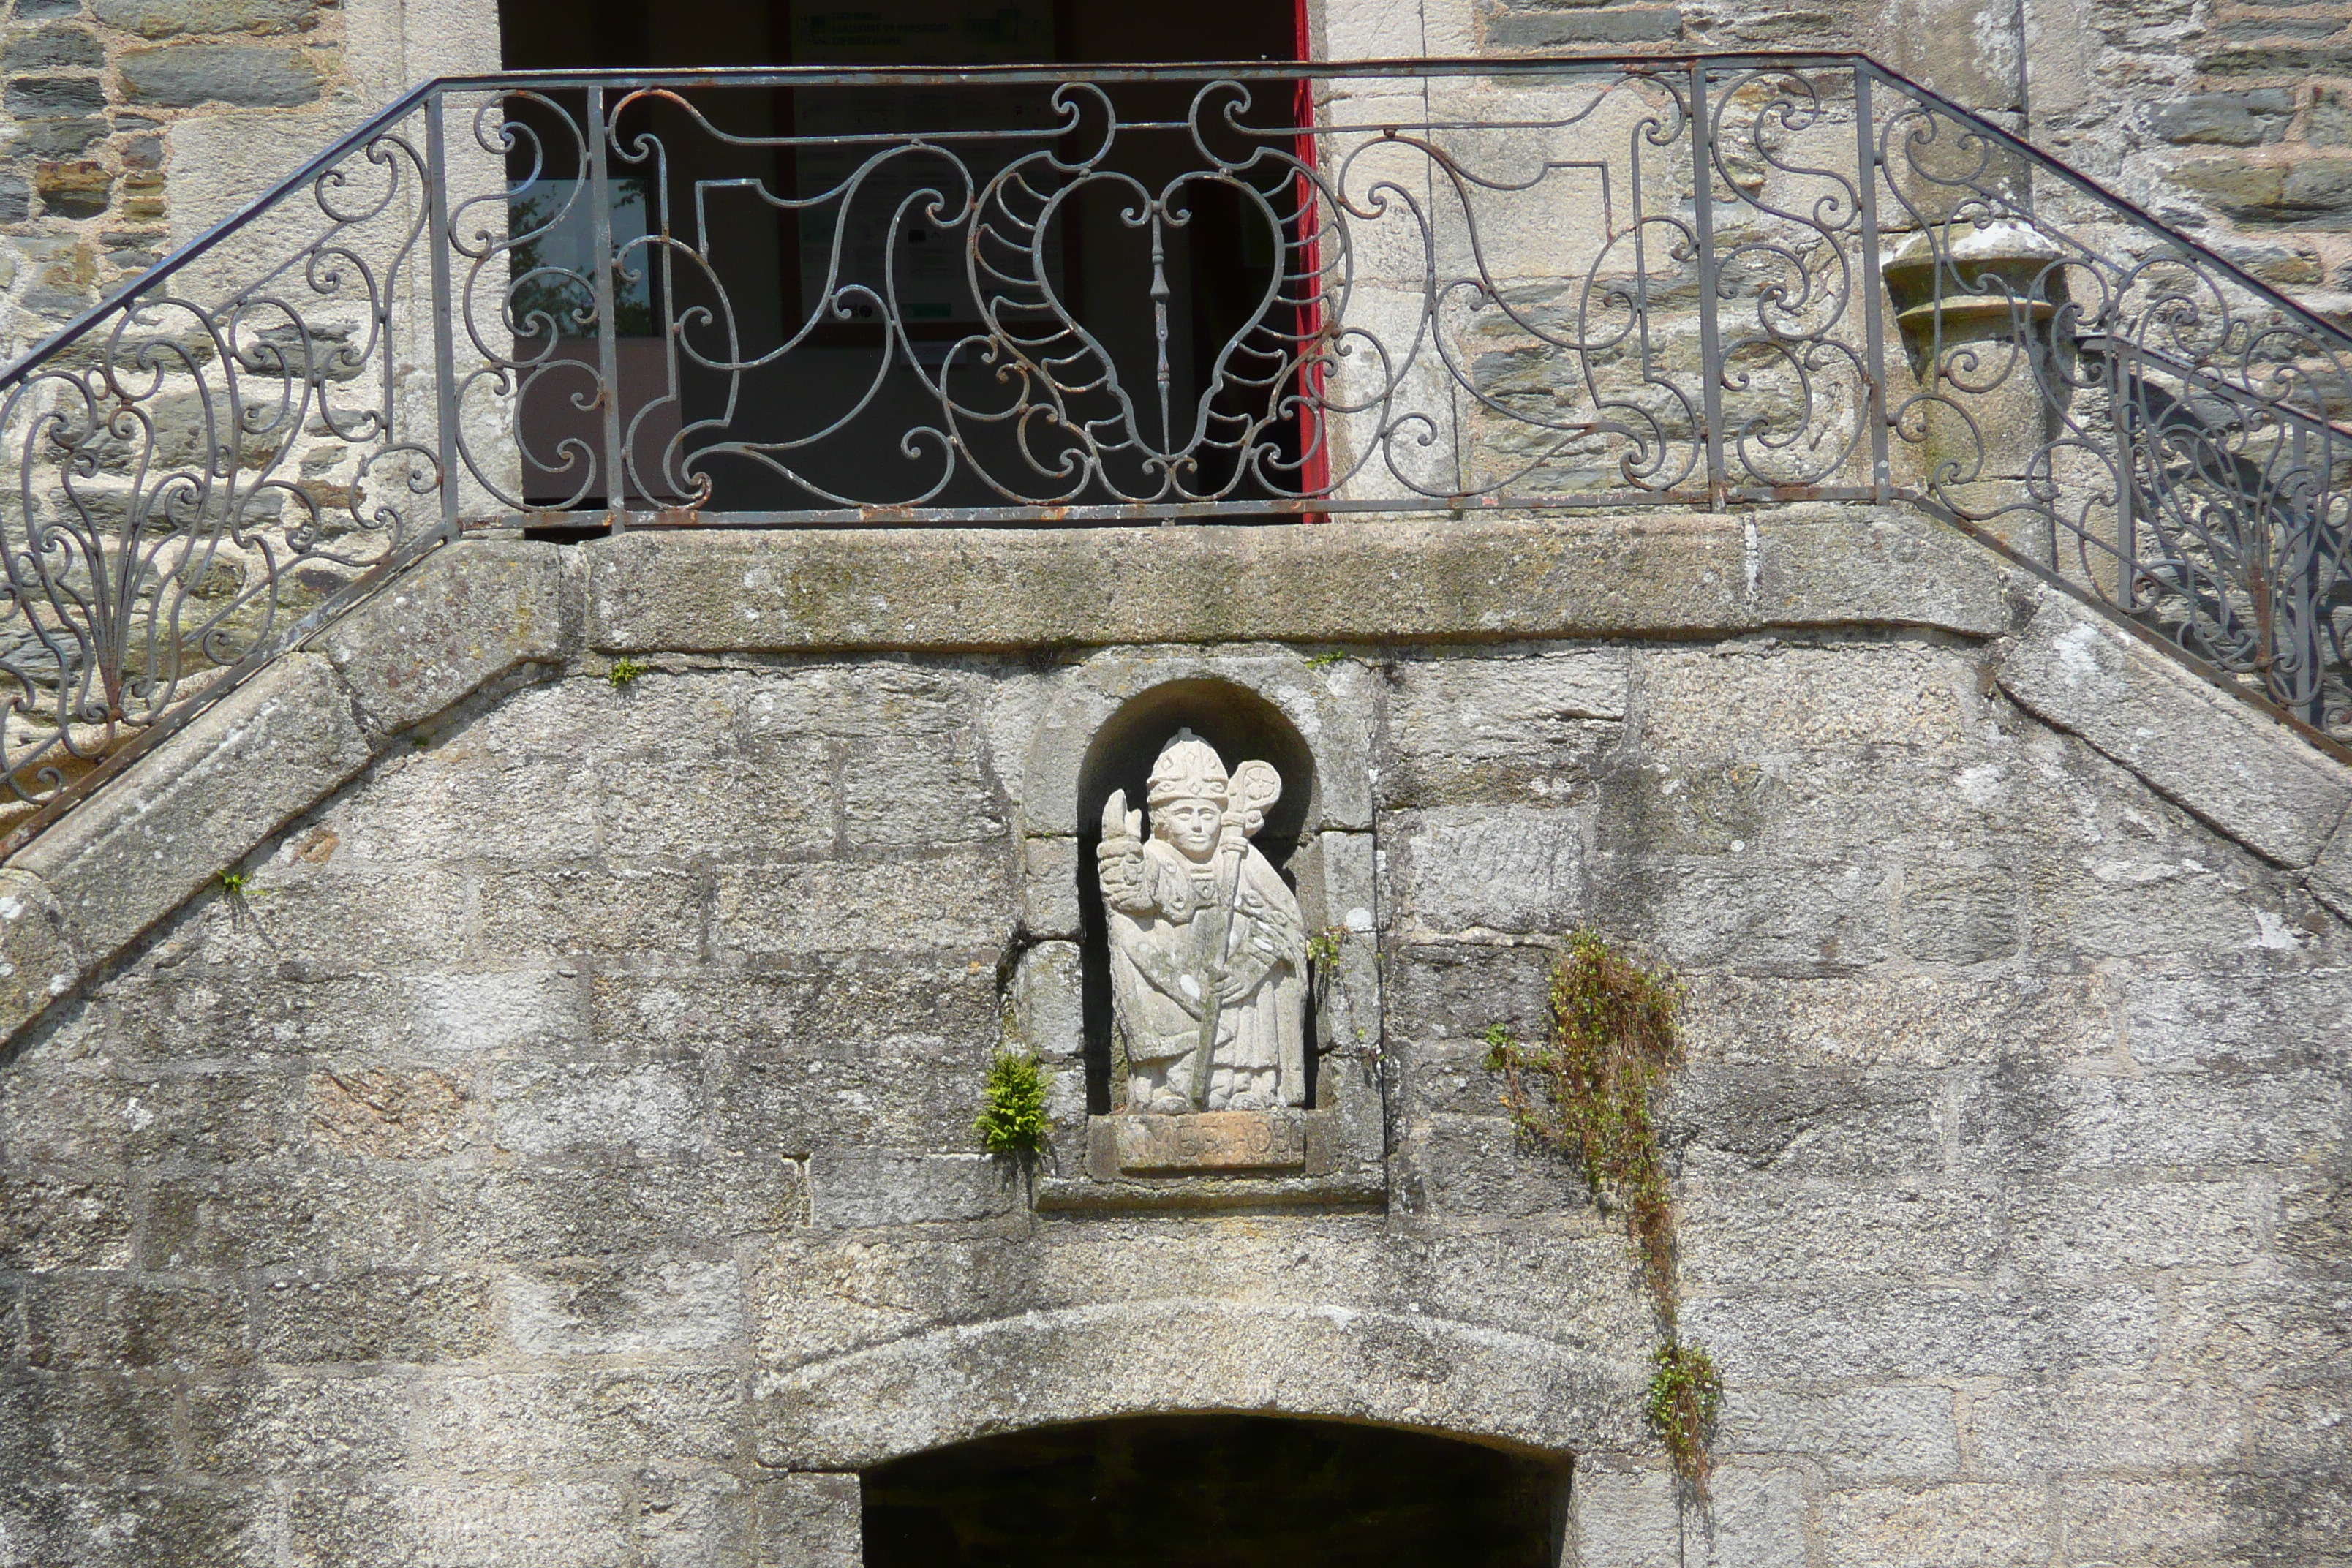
[1174, 1356]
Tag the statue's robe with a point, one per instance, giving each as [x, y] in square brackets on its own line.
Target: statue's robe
[1162, 959]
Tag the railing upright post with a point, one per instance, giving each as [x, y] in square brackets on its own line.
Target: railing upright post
[608, 352]
[444, 333]
[1710, 343]
[2123, 419]
[1866, 145]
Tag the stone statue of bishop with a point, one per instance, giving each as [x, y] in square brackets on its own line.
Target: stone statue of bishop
[1208, 950]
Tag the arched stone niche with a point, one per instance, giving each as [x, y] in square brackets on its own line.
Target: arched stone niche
[1100, 729]
[1242, 727]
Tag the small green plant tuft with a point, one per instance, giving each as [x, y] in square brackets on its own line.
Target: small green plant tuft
[1587, 1091]
[624, 671]
[1324, 660]
[1685, 1393]
[235, 883]
[1011, 1119]
[1324, 946]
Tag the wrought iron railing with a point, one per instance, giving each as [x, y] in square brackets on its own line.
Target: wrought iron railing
[802, 296]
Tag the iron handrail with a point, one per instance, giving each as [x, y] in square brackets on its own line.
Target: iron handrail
[1514, 284]
[1237, 70]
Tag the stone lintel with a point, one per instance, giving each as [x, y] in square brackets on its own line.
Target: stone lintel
[1386, 580]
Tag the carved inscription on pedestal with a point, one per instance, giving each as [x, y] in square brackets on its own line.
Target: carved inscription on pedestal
[1210, 1141]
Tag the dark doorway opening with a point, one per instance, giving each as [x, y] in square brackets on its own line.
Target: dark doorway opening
[588, 35]
[779, 350]
[1215, 1491]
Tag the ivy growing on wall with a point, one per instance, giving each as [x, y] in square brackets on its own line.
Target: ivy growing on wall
[1587, 1091]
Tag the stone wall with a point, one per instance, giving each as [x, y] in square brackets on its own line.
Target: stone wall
[2230, 121]
[557, 1149]
[128, 127]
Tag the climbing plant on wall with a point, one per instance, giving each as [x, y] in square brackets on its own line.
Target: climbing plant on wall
[1587, 1090]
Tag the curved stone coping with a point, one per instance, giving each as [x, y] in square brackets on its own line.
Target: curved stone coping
[476, 612]
[1181, 1357]
[88, 888]
[2246, 776]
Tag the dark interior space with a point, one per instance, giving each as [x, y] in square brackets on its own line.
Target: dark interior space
[1241, 726]
[580, 35]
[1214, 1491]
[788, 351]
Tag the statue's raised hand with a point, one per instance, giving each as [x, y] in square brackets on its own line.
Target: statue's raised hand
[1118, 859]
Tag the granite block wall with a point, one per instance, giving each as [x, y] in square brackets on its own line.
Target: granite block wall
[128, 127]
[558, 1149]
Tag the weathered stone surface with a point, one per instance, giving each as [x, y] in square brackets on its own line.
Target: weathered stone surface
[164, 18]
[653, 1110]
[1212, 1141]
[1043, 1012]
[2264, 788]
[253, 76]
[102, 1323]
[171, 823]
[1625, 1512]
[37, 961]
[1992, 1526]
[54, 48]
[953, 898]
[561, 1151]
[132, 1523]
[1187, 1355]
[492, 1422]
[40, 97]
[1049, 886]
[1516, 730]
[810, 1519]
[1752, 700]
[2230, 118]
[1878, 1433]
[2331, 874]
[1513, 870]
[465, 615]
[856, 1188]
[1401, 579]
[264, 1422]
[554, 1210]
[1515, 26]
[624, 1307]
[582, 1524]
[1747, 1232]
[327, 1221]
[391, 1315]
[75, 188]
